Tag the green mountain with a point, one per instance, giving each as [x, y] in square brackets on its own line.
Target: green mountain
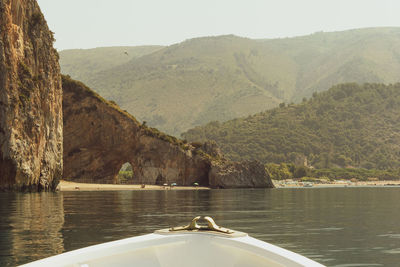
[219, 78]
[348, 125]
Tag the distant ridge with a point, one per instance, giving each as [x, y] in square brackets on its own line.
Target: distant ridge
[83, 63]
[203, 79]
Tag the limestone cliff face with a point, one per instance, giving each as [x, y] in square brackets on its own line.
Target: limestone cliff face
[99, 138]
[30, 99]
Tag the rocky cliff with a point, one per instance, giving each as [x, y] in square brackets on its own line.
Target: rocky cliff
[99, 138]
[246, 174]
[30, 99]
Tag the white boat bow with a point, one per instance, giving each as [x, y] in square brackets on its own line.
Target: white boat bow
[191, 245]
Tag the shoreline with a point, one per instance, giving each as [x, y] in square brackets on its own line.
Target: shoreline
[339, 183]
[74, 186]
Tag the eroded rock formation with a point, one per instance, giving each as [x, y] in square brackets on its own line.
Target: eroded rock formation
[99, 138]
[30, 99]
[246, 174]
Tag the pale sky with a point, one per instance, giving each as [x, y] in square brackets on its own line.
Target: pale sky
[97, 23]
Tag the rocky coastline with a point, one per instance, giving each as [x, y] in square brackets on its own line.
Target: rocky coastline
[99, 138]
[53, 127]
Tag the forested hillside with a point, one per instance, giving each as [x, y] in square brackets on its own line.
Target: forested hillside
[219, 78]
[348, 125]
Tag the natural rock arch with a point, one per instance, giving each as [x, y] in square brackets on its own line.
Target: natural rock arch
[99, 138]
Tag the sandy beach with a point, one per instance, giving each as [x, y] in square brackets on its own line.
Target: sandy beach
[72, 186]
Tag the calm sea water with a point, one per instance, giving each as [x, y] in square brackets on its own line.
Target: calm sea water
[334, 226]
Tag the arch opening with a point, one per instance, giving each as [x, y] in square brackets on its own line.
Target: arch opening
[125, 174]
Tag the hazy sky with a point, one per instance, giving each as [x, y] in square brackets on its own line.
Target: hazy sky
[95, 23]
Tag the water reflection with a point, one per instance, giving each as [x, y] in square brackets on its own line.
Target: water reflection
[335, 226]
[92, 218]
[33, 227]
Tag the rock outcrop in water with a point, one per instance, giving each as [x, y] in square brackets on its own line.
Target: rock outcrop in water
[30, 100]
[99, 138]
